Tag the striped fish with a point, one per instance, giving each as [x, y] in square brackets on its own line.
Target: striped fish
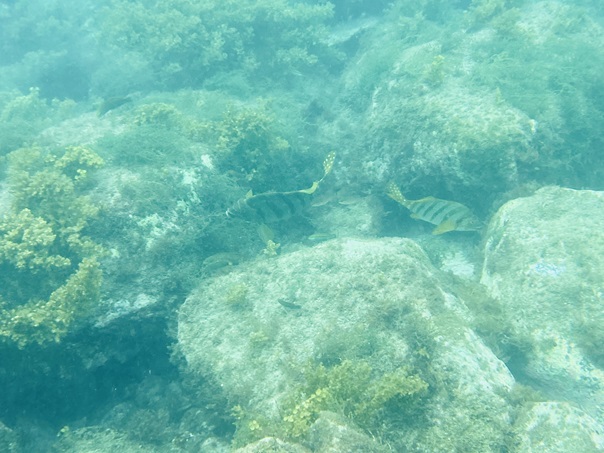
[274, 206]
[446, 215]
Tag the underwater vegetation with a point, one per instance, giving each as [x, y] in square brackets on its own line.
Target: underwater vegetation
[545, 60]
[50, 275]
[156, 136]
[189, 105]
[469, 115]
[245, 142]
[248, 140]
[350, 388]
[187, 42]
[23, 116]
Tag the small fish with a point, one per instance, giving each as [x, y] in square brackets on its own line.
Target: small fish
[112, 103]
[290, 305]
[274, 206]
[446, 215]
[221, 260]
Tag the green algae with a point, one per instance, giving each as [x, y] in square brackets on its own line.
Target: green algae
[51, 275]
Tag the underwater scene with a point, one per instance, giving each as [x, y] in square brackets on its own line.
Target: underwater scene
[301, 226]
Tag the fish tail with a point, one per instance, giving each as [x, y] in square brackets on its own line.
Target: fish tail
[312, 188]
[395, 193]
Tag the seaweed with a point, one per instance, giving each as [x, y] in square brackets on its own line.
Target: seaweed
[51, 277]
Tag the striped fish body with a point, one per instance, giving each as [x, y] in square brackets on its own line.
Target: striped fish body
[446, 215]
[272, 206]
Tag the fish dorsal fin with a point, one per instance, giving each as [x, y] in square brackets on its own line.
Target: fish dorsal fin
[395, 193]
[328, 163]
[311, 189]
[445, 227]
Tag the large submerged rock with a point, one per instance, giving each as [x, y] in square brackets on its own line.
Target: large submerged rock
[557, 427]
[544, 263]
[344, 302]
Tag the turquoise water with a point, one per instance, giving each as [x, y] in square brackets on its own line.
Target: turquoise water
[202, 244]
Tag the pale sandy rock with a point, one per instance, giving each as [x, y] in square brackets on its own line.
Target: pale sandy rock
[557, 427]
[544, 264]
[255, 329]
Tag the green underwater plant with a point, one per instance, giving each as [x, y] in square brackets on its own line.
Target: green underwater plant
[248, 135]
[351, 389]
[50, 275]
[186, 42]
[435, 74]
[158, 135]
[29, 107]
[237, 295]
[24, 116]
[248, 140]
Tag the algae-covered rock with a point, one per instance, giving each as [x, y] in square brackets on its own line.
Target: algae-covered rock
[364, 328]
[332, 433]
[429, 124]
[98, 440]
[272, 445]
[557, 427]
[466, 108]
[469, 136]
[544, 263]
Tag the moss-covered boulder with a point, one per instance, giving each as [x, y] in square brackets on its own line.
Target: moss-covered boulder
[471, 104]
[363, 328]
[557, 427]
[333, 433]
[544, 264]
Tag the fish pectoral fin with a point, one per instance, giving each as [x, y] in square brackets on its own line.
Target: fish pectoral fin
[311, 189]
[249, 194]
[445, 227]
[415, 216]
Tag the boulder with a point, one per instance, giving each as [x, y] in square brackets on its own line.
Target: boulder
[557, 427]
[384, 338]
[544, 264]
